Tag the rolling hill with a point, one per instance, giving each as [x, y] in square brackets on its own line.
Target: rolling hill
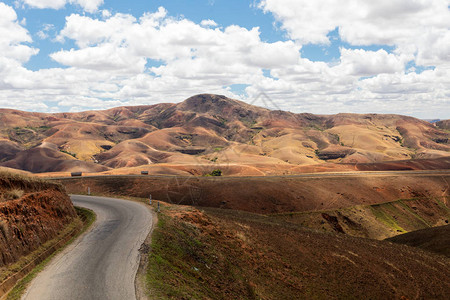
[212, 131]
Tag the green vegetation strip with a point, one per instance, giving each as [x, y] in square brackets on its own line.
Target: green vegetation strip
[442, 204]
[381, 213]
[414, 214]
[170, 274]
[88, 217]
[161, 266]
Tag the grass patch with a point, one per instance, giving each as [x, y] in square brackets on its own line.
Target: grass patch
[69, 153]
[86, 215]
[167, 264]
[380, 213]
[14, 185]
[185, 264]
[315, 127]
[223, 121]
[414, 214]
[215, 173]
[39, 129]
[442, 204]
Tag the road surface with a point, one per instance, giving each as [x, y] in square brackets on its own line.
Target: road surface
[101, 264]
[303, 175]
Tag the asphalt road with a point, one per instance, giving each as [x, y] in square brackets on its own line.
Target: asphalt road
[304, 175]
[102, 263]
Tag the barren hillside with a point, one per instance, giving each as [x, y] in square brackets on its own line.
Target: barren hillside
[211, 130]
[225, 254]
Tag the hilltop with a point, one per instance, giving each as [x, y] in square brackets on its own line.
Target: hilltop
[207, 131]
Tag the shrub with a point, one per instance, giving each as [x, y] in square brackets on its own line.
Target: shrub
[216, 173]
[13, 194]
[70, 153]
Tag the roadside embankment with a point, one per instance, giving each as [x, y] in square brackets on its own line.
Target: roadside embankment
[36, 218]
[31, 213]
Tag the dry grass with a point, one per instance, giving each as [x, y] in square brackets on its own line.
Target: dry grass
[12, 194]
[16, 175]
[14, 185]
[4, 228]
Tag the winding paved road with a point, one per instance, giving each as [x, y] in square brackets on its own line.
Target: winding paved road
[102, 263]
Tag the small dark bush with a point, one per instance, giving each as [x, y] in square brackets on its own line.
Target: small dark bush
[216, 173]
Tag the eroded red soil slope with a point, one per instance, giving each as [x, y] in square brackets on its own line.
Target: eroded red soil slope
[31, 213]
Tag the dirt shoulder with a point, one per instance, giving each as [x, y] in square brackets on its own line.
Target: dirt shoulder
[142, 288]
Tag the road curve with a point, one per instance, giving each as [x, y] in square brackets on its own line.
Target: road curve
[101, 264]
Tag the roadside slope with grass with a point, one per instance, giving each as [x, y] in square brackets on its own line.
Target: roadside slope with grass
[29, 266]
[224, 254]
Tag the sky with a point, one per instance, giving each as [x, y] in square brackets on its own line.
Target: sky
[322, 57]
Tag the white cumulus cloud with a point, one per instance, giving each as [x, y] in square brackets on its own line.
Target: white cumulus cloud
[369, 63]
[87, 5]
[54, 4]
[13, 36]
[209, 22]
[121, 59]
[412, 26]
